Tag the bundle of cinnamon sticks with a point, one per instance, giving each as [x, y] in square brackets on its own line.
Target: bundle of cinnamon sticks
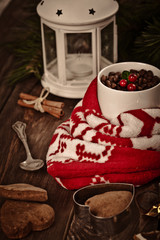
[52, 107]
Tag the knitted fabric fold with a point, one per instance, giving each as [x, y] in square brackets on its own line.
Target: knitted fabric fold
[89, 149]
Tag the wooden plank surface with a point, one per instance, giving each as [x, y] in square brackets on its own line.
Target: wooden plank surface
[39, 130]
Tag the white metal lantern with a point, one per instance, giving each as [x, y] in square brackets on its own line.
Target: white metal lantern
[79, 38]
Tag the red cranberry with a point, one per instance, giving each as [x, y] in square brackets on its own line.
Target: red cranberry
[131, 87]
[132, 77]
[123, 83]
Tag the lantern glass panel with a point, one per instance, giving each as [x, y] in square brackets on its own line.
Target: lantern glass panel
[50, 50]
[79, 56]
[107, 45]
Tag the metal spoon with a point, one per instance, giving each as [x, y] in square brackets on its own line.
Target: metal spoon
[29, 164]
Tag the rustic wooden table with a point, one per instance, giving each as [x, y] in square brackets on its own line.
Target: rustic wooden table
[40, 128]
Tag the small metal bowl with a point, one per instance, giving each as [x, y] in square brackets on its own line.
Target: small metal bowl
[121, 226]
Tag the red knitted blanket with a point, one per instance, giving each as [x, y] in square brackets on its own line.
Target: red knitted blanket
[89, 149]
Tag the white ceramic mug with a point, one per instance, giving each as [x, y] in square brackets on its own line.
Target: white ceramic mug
[113, 102]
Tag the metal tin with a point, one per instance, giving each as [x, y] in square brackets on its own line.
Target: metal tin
[120, 226]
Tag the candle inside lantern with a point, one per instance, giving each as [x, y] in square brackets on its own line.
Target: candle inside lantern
[79, 55]
[80, 66]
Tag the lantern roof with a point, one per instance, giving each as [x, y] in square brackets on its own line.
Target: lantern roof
[76, 12]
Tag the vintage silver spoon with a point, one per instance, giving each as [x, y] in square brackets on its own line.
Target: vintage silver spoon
[29, 164]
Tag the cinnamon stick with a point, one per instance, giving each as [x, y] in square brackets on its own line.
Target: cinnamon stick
[46, 102]
[54, 111]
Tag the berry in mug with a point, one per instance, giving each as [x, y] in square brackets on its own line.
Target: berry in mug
[132, 80]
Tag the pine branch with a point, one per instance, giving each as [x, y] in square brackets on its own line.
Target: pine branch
[26, 48]
[147, 45]
[132, 18]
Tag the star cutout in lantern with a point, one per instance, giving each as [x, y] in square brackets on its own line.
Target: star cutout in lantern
[92, 11]
[59, 12]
